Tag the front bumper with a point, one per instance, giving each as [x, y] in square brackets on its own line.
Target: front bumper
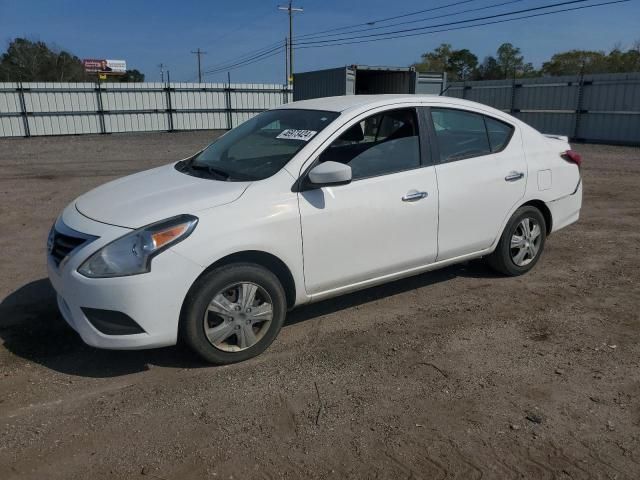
[153, 300]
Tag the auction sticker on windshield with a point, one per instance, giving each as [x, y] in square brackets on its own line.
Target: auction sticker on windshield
[292, 134]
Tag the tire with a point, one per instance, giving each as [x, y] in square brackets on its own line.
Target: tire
[220, 304]
[507, 259]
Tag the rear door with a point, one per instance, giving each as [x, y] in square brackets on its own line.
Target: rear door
[482, 175]
[385, 221]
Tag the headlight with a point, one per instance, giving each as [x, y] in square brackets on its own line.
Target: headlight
[132, 253]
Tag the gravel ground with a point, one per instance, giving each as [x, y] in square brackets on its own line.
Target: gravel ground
[458, 373]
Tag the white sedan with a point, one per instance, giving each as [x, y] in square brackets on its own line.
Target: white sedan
[301, 203]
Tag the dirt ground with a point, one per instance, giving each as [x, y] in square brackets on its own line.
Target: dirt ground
[458, 373]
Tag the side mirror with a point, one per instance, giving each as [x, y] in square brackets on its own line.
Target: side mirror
[329, 173]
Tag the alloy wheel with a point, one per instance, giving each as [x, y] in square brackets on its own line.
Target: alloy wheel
[238, 317]
[525, 241]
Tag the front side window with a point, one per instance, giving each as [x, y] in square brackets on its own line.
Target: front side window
[384, 143]
[259, 147]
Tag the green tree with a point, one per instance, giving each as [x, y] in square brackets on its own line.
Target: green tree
[435, 61]
[132, 76]
[509, 60]
[462, 64]
[619, 61]
[29, 61]
[458, 64]
[34, 61]
[575, 61]
[489, 70]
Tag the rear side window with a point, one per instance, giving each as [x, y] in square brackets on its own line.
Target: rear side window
[499, 133]
[463, 134]
[460, 134]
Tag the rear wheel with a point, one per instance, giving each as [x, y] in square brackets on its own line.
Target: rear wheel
[233, 313]
[521, 243]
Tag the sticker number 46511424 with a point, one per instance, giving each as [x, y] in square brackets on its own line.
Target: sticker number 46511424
[292, 134]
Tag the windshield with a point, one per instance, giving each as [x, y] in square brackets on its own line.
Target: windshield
[260, 147]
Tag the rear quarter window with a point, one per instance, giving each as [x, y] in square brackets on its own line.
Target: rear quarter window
[499, 133]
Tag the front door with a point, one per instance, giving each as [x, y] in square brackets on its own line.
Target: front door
[386, 220]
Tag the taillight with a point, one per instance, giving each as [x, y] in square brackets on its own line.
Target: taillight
[573, 157]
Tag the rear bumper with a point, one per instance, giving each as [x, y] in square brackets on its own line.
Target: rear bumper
[152, 300]
[566, 210]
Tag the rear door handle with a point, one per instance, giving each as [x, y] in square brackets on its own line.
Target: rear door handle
[514, 176]
[414, 196]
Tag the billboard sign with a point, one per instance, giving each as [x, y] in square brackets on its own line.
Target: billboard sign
[109, 67]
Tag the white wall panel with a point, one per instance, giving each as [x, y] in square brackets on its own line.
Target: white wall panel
[11, 127]
[131, 107]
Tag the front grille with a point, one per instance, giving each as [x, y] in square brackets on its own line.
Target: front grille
[62, 244]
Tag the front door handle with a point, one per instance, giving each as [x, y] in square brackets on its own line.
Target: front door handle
[414, 196]
[514, 176]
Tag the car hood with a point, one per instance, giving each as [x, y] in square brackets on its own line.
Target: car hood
[153, 195]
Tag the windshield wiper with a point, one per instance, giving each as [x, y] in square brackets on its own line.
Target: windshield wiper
[215, 172]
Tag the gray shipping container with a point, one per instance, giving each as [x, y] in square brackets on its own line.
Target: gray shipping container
[365, 80]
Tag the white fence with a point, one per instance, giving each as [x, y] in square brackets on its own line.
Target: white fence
[31, 109]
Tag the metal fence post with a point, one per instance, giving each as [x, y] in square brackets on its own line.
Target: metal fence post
[23, 110]
[227, 92]
[167, 90]
[98, 90]
[576, 125]
[513, 95]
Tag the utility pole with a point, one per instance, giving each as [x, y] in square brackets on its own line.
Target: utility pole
[161, 66]
[286, 61]
[291, 10]
[199, 53]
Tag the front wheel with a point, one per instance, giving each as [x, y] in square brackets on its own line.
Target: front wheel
[521, 243]
[233, 313]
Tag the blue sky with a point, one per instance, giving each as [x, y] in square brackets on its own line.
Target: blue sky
[145, 32]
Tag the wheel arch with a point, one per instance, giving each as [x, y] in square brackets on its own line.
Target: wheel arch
[540, 205]
[263, 259]
[546, 213]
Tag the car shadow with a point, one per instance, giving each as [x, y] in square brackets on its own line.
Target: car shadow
[32, 328]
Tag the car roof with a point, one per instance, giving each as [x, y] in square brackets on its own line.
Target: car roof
[346, 103]
[355, 104]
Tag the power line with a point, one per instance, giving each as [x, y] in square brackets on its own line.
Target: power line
[245, 55]
[380, 20]
[199, 54]
[406, 30]
[271, 50]
[244, 63]
[451, 14]
[245, 25]
[221, 66]
[583, 7]
[249, 59]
